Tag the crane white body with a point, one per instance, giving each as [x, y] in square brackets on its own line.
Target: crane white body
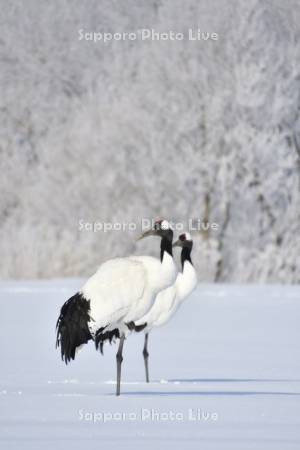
[168, 301]
[124, 289]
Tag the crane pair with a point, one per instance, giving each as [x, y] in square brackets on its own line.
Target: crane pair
[128, 294]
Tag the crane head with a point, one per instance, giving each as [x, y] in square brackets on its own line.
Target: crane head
[161, 228]
[184, 240]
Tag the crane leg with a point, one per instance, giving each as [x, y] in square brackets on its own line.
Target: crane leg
[146, 356]
[119, 359]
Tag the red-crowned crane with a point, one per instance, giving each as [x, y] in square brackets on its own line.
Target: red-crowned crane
[168, 301]
[121, 291]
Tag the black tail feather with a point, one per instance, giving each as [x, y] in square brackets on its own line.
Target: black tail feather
[110, 336]
[72, 326]
[103, 336]
[132, 326]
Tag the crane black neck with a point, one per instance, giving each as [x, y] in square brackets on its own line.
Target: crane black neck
[185, 255]
[165, 246]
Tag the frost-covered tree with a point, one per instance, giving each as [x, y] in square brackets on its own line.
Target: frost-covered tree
[131, 129]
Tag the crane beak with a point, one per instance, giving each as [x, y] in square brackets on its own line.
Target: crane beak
[147, 233]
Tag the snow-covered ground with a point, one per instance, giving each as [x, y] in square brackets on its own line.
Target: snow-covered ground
[232, 352]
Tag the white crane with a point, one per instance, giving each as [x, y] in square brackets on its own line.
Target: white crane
[121, 291]
[168, 301]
